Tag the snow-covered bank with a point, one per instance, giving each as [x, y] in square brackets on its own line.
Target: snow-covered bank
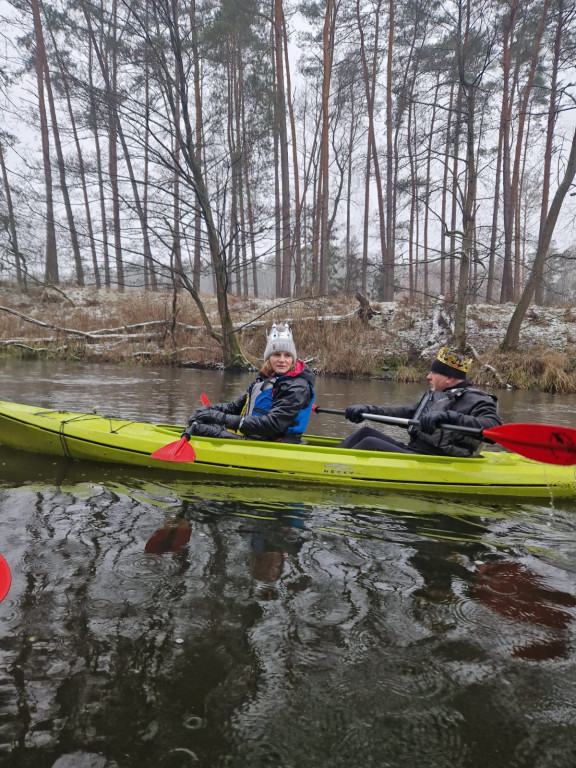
[141, 327]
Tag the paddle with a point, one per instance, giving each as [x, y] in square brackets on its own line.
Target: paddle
[540, 442]
[180, 450]
[5, 578]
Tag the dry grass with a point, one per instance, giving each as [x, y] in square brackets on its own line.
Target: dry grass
[541, 369]
[343, 346]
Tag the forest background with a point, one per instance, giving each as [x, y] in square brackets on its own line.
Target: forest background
[422, 152]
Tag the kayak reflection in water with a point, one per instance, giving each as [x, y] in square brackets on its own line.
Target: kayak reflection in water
[451, 400]
[518, 594]
[171, 538]
[276, 406]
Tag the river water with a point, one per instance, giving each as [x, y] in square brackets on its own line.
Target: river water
[154, 621]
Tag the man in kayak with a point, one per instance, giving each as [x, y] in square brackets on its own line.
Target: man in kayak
[451, 400]
[276, 406]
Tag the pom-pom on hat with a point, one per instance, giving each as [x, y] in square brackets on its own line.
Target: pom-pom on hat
[451, 364]
[280, 340]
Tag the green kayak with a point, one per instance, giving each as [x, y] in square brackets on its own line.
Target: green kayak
[90, 437]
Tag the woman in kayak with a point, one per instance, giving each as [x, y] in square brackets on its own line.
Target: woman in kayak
[276, 406]
[451, 400]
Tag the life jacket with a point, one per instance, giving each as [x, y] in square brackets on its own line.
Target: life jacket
[451, 443]
[260, 399]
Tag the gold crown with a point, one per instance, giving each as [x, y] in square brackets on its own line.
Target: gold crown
[454, 360]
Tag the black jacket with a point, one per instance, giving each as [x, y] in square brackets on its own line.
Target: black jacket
[291, 393]
[476, 409]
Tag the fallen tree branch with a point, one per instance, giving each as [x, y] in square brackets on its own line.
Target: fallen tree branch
[19, 345]
[122, 330]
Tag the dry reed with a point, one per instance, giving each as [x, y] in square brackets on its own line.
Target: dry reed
[160, 329]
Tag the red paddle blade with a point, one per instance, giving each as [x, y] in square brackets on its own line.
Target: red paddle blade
[540, 442]
[5, 578]
[204, 399]
[181, 450]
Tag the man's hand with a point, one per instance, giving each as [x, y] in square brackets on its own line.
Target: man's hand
[430, 422]
[354, 413]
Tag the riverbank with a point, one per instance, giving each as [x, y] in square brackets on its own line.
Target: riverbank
[160, 328]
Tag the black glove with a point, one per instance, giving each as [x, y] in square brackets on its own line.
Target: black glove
[198, 412]
[210, 416]
[207, 430]
[429, 422]
[354, 413]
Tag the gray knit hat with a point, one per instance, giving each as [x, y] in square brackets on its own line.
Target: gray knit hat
[280, 340]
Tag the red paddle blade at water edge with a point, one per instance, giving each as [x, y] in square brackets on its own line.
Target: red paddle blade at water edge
[181, 450]
[5, 578]
[540, 442]
[204, 399]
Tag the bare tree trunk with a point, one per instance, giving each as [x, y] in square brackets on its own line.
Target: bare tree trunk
[80, 155]
[249, 210]
[523, 114]
[233, 249]
[111, 89]
[444, 206]
[512, 337]
[366, 223]
[51, 273]
[277, 219]
[427, 188]
[468, 89]
[550, 125]
[389, 253]
[370, 74]
[350, 267]
[176, 238]
[242, 172]
[323, 186]
[99, 171]
[140, 211]
[62, 171]
[281, 127]
[296, 249]
[507, 287]
[198, 129]
[413, 201]
[150, 280]
[455, 191]
[19, 262]
[494, 231]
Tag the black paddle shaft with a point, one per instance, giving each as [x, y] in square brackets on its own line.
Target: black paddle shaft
[398, 422]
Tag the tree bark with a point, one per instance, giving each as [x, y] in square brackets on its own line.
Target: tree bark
[51, 271]
[19, 263]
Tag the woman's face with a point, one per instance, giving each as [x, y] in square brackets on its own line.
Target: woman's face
[281, 362]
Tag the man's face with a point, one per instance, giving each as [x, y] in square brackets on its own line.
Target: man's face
[438, 382]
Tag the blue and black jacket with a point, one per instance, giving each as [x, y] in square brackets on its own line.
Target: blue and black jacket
[275, 407]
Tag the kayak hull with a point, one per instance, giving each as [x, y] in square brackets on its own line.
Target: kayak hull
[91, 437]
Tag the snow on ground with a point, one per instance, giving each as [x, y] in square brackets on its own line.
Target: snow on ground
[547, 327]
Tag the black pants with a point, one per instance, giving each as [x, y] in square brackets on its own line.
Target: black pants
[368, 439]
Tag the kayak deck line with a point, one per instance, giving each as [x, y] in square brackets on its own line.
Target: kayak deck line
[91, 437]
[77, 418]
